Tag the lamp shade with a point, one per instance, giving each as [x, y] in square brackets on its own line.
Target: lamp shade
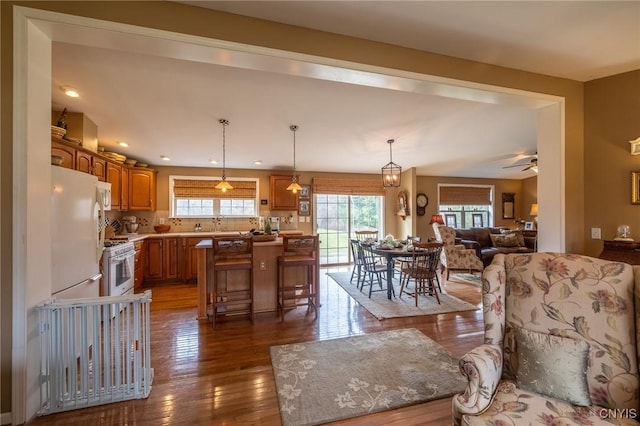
[436, 218]
[534, 210]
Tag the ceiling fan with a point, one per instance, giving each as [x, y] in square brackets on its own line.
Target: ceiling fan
[531, 165]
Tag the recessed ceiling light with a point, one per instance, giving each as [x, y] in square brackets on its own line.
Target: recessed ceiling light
[213, 161]
[122, 143]
[70, 91]
[165, 158]
[257, 162]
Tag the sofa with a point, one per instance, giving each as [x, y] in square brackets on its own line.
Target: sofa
[489, 241]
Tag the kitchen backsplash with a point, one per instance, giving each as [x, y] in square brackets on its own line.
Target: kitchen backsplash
[147, 220]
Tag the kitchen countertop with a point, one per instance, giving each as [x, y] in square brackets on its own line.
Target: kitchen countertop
[204, 234]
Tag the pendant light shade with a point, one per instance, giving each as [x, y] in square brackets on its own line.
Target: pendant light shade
[294, 186]
[391, 172]
[223, 185]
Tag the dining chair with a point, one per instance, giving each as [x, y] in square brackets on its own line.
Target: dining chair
[372, 270]
[422, 269]
[399, 263]
[357, 262]
[364, 235]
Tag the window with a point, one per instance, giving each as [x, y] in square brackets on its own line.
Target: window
[196, 196]
[341, 207]
[466, 206]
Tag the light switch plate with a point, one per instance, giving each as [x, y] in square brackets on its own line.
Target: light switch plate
[595, 233]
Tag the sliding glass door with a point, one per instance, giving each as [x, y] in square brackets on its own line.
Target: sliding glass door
[338, 216]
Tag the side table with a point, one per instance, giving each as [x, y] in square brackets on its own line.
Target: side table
[621, 251]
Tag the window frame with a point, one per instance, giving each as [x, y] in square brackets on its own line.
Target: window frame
[172, 198]
[491, 216]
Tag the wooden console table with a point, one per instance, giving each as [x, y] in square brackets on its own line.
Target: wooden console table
[621, 251]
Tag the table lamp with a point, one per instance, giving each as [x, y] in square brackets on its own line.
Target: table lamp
[436, 218]
[534, 213]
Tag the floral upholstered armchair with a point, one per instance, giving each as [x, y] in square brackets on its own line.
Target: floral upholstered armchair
[455, 257]
[560, 344]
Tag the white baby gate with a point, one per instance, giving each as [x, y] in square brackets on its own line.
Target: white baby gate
[94, 351]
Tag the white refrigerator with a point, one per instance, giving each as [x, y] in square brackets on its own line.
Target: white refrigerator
[77, 241]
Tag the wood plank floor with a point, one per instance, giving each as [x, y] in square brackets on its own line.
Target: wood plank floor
[223, 376]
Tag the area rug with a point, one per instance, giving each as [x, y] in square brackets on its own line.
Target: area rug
[330, 380]
[381, 307]
[467, 278]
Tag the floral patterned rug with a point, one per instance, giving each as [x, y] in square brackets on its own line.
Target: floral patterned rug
[381, 307]
[329, 380]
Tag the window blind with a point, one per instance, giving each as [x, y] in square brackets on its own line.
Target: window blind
[342, 186]
[465, 195]
[197, 188]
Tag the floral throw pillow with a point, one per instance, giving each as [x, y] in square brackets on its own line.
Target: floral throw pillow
[504, 240]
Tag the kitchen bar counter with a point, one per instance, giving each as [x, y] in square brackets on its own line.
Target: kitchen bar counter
[265, 275]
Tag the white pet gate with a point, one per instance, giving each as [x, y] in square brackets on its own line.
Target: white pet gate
[94, 351]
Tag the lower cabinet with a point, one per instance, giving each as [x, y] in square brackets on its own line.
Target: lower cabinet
[191, 258]
[139, 262]
[163, 259]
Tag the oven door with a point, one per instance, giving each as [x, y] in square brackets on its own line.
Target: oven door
[120, 274]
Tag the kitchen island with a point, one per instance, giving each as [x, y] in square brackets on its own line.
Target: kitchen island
[265, 275]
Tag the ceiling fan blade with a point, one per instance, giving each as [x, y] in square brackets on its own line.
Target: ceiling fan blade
[527, 168]
[515, 165]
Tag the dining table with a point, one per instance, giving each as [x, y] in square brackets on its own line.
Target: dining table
[389, 254]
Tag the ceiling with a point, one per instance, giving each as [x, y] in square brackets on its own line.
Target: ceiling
[165, 99]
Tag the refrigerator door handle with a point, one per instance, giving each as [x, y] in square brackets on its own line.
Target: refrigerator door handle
[101, 216]
[88, 280]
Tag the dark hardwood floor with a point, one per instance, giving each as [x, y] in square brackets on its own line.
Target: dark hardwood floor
[223, 376]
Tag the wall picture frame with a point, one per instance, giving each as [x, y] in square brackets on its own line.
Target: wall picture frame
[304, 208]
[305, 192]
[635, 187]
[508, 205]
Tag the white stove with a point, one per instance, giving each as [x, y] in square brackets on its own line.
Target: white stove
[117, 267]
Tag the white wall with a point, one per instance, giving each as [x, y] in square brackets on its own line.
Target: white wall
[31, 209]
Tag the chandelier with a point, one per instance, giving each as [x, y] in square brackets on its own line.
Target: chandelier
[294, 186]
[223, 185]
[391, 172]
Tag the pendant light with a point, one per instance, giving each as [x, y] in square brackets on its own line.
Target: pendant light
[391, 172]
[223, 185]
[294, 186]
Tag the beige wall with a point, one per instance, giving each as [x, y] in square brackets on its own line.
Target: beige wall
[612, 119]
[181, 18]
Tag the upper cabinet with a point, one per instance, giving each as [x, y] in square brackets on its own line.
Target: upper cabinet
[132, 188]
[280, 198]
[142, 189]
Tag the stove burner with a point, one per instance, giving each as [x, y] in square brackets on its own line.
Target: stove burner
[111, 243]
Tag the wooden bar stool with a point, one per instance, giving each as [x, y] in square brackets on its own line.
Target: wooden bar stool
[298, 289]
[232, 281]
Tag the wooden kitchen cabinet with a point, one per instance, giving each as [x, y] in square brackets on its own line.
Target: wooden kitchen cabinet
[171, 256]
[88, 163]
[118, 177]
[280, 198]
[124, 188]
[67, 153]
[114, 177]
[139, 263]
[163, 259]
[142, 189]
[191, 257]
[155, 259]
